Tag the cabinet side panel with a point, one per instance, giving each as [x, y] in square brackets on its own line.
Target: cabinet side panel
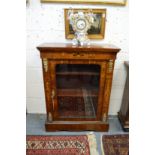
[54, 103]
[107, 89]
[102, 85]
[47, 88]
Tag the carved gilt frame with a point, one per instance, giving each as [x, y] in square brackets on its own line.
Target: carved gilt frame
[106, 2]
[69, 35]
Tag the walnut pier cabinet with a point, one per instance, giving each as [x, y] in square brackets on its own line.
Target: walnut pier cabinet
[77, 84]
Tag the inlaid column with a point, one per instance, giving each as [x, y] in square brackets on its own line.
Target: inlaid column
[107, 89]
[47, 88]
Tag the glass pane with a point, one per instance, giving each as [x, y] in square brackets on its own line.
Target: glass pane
[77, 90]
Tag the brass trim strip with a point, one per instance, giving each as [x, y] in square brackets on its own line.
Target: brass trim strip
[45, 63]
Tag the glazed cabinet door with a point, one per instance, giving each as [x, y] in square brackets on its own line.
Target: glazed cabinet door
[76, 91]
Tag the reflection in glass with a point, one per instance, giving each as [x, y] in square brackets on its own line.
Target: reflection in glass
[77, 90]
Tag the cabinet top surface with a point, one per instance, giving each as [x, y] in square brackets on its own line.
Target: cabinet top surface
[69, 46]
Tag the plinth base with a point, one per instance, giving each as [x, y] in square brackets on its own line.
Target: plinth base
[76, 126]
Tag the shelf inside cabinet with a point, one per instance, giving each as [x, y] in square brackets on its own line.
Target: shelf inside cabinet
[76, 92]
[78, 73]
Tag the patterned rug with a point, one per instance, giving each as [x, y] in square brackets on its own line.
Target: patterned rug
[79, 106]
[61, 145]
[115, 144]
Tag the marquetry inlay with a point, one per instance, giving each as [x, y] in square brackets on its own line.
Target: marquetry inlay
[104, 119]
[45, 63]
[50, 117]
[67, 101]
[110, 65]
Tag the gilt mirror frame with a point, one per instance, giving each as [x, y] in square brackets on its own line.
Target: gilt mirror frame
[106, 2]
[97, 31]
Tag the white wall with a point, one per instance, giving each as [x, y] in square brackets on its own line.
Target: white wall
[45, 23]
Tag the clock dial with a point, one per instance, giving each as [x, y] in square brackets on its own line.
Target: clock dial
[81, 24]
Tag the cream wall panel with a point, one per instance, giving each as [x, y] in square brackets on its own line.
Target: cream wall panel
[114, 106]
[33, 59]
[35, 91]
[35, 105]
[116, 93]
[119, 64]
[119, 77]
[34, 76]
